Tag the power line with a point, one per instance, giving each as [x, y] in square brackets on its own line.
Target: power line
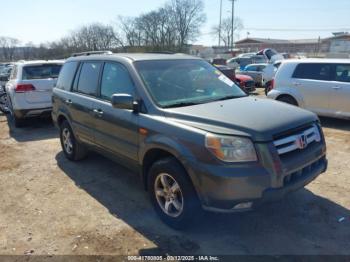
[297, 29]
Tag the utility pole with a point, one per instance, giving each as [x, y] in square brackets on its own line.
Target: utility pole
[233, 23]
[220, 24]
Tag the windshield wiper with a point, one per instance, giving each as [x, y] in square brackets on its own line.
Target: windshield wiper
[181, 104]
[227, 98]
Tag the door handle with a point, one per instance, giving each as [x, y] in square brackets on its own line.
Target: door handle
[98, 112]
[68, 102]
[296, 84]
[336, 87]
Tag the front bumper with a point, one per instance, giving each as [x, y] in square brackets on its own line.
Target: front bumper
[223, 188]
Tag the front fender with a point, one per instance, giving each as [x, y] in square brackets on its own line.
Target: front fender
[171, 145]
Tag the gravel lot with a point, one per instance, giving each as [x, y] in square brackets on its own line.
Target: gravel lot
[52, 206]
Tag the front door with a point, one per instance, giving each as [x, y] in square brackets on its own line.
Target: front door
[116, 129]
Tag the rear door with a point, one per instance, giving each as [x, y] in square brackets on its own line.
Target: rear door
[82, 99]
[340, 98]
[116, 129]
[312, 80]
[43, 78]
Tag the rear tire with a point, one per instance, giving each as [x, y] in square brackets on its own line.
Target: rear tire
[288, 99]
[72, 149]
[172, 193]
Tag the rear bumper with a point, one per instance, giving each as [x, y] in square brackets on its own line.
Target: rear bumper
[27, 113]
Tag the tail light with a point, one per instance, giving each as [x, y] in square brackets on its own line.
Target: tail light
[22, 88]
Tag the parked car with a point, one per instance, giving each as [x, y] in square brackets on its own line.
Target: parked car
[268, 75]
[195, 138]
[241, 62]
[30, 87]
[246, 83]
[271, 55]
[256, 72]
[319, 85]
[5, 73]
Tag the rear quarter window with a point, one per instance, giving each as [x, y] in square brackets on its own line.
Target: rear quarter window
[313, 71]
[66, 76]
[41, 71]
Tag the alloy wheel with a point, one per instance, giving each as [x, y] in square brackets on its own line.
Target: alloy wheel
[169, 195]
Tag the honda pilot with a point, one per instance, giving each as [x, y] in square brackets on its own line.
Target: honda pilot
[194, 137]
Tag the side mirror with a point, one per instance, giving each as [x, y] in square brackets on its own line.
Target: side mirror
[124, 101]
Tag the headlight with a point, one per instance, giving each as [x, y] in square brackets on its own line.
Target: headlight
[231, 148]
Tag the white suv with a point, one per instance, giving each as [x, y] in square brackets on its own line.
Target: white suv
[319, 85]
[30, 88]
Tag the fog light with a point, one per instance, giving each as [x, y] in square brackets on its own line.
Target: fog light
[246, 205]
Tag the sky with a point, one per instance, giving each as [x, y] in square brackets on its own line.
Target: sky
[39, 21]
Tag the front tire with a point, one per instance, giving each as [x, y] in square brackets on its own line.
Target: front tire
[72, 149]
[172, 193]
[288, 100]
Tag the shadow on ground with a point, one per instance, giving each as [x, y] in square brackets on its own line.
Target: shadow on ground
[335, 123]
[303, 223]
[34, 129]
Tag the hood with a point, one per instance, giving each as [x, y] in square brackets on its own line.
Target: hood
[259, 119]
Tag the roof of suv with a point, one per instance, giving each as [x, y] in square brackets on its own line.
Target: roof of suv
[39, 62]
[134, 56]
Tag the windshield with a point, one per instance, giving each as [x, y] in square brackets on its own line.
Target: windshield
[175, 83]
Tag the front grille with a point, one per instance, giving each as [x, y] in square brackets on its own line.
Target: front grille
[298, 140]
[300, 174]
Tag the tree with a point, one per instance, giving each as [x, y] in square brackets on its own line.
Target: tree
[188, 17]
[170, 27]
[8, 47]
[226, 29]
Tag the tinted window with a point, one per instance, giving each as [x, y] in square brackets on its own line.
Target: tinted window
[115, 80]
[88, 79]
[41, 71]
[313, 71]
[342, 73]
[66, 76]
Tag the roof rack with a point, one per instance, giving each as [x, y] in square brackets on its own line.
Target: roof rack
[92, 53]
[161, 52]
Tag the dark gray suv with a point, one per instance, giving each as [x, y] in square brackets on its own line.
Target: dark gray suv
[197, 141]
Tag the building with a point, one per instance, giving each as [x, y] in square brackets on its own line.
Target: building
[280, 45]
[339, 43]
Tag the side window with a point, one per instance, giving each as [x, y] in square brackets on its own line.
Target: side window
[342, 73]
[115, 80]
[66, 76]
[313, 71]
[88, 79]
[14, 73]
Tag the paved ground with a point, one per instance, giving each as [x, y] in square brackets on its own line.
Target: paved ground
[52, 206]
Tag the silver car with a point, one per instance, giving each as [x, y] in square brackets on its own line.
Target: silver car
[319, 85]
